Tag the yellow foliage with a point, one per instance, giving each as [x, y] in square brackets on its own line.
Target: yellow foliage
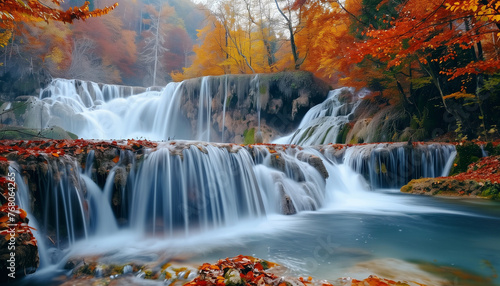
[5, 37]
[457, 95]
[56, 55]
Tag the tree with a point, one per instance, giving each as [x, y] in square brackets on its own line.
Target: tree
[179, 49]
[238, 37]
[445, 40]
[323, 39]
[113, 46]
[209, 54]
[290, 26]
[85, 62]
[154, 41]
[12, 11]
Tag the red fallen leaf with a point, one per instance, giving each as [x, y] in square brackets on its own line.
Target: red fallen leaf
[78, 151]
[4, 218]
[60, 145]
[3, 159]
[116, 159]
[22, 213]
[304, 281]
[249, 276]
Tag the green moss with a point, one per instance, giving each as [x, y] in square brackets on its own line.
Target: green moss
[149, 274]
[383, 168]
[249, 136]
[19, 108]
[467, 153]
[17, 133]
[491, 191]
[406, 188]
[263, 89]
[324, 136]
[342, 136]
[491, 150]
[21, 133]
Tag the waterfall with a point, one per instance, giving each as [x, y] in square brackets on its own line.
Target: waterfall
[224, 106]
[190, 110]
[391, 165]
[204, 189]
[183, 188]
[204, 110]
[176, 190]
[111, 113]
[323, 123]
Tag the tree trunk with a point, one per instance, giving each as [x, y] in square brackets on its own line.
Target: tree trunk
[292, 37]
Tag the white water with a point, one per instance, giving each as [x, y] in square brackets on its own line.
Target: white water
[177, 111]
[323, 123]
[177, 201]
[113, 114]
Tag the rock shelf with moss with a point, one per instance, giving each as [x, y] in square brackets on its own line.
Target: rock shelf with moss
[481, 180]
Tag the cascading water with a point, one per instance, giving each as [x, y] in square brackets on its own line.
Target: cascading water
[203, 190]
[184, 188]
[110, 113]
[391, 165]
[323, 123]
[183, 111]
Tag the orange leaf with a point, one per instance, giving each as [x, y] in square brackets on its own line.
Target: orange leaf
[116, 159]
[55, 154]
[23, 213]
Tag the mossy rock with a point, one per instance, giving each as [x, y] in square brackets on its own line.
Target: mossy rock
[467, 153]
[22, 133]
[342, 136]
[249, 136]
[492, 150]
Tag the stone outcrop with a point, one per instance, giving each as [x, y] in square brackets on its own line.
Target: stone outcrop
[481, 180]
[449, 187]
[279, 100]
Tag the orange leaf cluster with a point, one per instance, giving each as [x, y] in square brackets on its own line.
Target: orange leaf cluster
[58, 148]
[251, 271]
[424, 27]
[31, 11]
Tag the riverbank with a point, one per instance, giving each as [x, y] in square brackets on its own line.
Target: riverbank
[481, 179]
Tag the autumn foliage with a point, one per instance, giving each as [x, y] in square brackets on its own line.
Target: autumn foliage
[15, 11]
[487, 169]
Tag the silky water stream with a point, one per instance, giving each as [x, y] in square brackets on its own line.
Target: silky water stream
[212, 202]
